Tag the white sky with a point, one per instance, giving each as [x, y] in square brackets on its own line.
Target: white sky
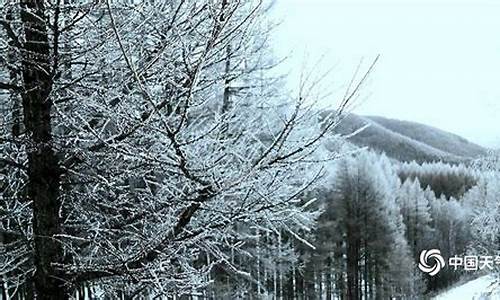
[439, 65]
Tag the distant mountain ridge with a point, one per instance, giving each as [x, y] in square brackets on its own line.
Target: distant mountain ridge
[407, 141]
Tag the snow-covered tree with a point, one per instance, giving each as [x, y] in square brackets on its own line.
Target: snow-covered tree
[137, 137]
[416, 215]
[451, 235]
[482, 202]
[444, 179]
[363, 228]
[489, 162]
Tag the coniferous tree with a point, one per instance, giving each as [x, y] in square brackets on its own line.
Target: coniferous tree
[137, 138]
[369, 250]
[415, 209]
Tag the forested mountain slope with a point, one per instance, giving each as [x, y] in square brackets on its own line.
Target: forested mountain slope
[407, 141]
[432, 136]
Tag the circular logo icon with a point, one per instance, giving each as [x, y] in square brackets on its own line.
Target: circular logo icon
[431, 261]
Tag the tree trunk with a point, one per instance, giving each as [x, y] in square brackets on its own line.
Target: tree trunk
[43, 164]
[339, 269]
[14, 96]
[226, 102]
[352, 268]
[378, 285]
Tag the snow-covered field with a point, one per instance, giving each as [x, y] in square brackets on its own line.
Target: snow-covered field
[482, 288]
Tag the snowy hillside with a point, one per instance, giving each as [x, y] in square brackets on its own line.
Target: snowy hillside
[481, 288]
[407, 141]
[434, 137]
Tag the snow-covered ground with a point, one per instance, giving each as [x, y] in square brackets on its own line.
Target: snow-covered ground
[482, 288]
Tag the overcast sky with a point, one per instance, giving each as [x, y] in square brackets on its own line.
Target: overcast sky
[439, 65]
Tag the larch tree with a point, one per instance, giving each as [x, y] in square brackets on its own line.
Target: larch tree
[370, 253]
[482, 203]
[451, 235]
[137, 137]
[415, 209]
